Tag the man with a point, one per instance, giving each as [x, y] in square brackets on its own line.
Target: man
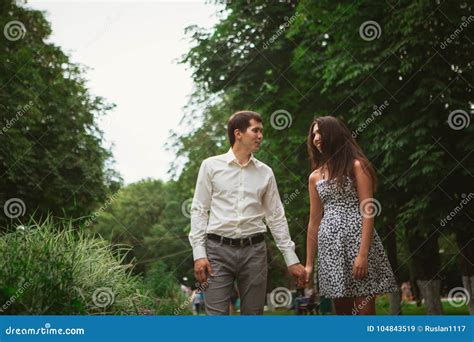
[239, 191]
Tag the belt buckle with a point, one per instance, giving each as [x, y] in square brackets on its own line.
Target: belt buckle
[241, 243]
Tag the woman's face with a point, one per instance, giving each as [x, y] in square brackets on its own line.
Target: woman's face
[317, 137]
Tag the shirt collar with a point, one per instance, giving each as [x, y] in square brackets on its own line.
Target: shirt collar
[230, 157]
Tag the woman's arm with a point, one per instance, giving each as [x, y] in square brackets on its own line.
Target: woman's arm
[315, 216]
[365, 193]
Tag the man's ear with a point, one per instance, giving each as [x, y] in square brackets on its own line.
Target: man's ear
[237, 133]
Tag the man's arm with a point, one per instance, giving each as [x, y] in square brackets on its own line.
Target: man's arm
[199, 220]
[276, 221]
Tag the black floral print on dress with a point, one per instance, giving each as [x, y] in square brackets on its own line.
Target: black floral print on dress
[339, 238]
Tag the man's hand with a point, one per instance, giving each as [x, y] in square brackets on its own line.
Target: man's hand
[298, 272]
[202, 270]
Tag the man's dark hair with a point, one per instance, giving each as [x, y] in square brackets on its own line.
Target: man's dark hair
[241, 121]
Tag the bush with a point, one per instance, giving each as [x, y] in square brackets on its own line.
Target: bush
[170, 299]
[53, 269]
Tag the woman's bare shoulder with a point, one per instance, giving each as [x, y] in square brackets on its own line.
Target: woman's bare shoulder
[360, 168]
[315, 176]
[357, 165]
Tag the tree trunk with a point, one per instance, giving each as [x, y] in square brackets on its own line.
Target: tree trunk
[414, 286]
[430, 292]
[394, 301]
[466, 261]
[468, 283]
[425, 261]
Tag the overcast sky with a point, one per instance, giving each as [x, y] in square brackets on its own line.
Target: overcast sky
[131, 49]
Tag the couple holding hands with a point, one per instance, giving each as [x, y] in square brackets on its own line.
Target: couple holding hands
[235, 192]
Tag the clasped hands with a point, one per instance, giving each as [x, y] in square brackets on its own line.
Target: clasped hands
[298, 272]
[301, 274]
[203, 270]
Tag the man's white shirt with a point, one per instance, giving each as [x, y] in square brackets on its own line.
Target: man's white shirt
[237, 197]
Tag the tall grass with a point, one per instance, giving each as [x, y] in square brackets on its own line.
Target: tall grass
[51, 268]
[163, 285]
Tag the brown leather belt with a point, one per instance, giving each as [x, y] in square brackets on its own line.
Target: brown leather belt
[251, 240]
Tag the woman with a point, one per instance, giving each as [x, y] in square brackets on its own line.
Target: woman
[352, 265]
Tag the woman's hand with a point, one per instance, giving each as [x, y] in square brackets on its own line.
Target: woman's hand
[309, 273]
[360, 269]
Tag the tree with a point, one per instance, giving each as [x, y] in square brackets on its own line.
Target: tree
[378, 67]
[147, 217]
[411, 142]
[51, 154]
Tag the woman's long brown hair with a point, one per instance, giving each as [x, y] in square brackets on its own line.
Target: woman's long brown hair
[339, 150]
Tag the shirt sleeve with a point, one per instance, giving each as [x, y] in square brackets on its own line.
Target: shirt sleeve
[200, 212]
[276, 221]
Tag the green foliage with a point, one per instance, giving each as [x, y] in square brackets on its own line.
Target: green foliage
[53, 269]
[51, 153]
[162, 283]
[149, 216]
[307, 58]
[318, 64]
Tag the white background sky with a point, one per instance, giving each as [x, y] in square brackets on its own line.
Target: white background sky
[131, 49]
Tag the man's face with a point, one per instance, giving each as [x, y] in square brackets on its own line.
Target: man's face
[252, 137]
